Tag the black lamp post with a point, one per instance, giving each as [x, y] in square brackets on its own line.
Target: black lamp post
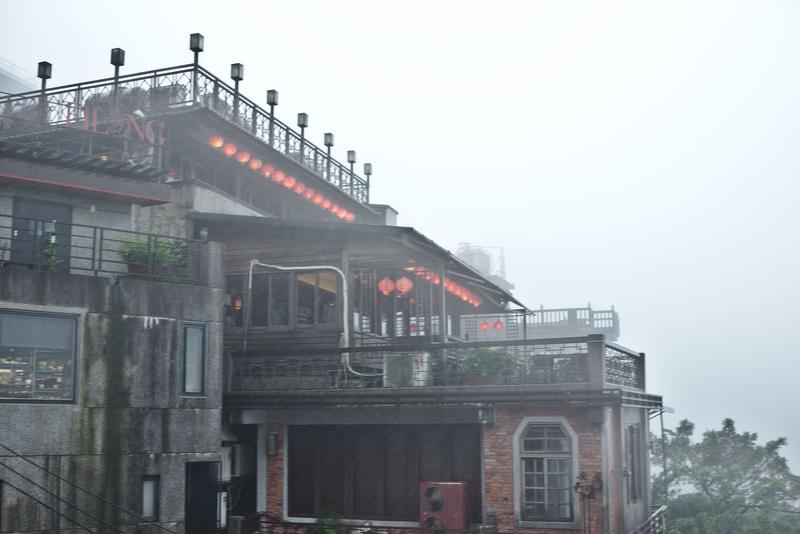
[272, 101]
[329, 143]
[351, 159]
[118, 60]
[196, 43]
[237, 75]
[368, 173]
[302, 123]
[45, 72]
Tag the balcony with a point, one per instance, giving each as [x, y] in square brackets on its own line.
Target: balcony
[98, 251]
[465, 372]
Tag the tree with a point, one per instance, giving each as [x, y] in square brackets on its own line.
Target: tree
[727, 483]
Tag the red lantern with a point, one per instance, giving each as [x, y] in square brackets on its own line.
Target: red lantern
[333, 208]
[267, 170]
[350, 217]
[308, 194]
[255, 164]
[216, 141]
[386, 286]
[299, 187]
[485, 326]
[498, 325]
[229, 149]
[404, 285]
[243, 157]
[325, 203]
[278, 176]
[289, 182]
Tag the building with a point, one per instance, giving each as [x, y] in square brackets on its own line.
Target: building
[238, 339]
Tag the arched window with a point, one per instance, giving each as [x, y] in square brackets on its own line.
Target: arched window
[546, 458]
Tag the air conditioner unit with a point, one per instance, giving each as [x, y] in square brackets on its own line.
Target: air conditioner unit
[443, 506]
[407, 369]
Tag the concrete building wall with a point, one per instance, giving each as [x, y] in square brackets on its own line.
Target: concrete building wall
[130, 417]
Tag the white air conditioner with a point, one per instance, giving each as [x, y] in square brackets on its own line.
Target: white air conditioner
[407, 369]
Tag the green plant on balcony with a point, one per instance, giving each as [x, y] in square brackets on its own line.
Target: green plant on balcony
[487, 365]
[327, 523]
[153, 256]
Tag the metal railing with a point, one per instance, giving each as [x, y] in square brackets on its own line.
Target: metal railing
[81, 249]
[655, 524]
[271, 525]
[566, 362]
[174, 87]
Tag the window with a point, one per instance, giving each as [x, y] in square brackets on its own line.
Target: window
[37, 357]
[633, 445]
[546, 473]
[291, 300]
[194, 359]
[150, 497]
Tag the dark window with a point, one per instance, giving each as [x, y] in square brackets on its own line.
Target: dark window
[289, 300]
[279, 299]
[37, 357]
[634, 458]
[150, 497]
[546, 456]
[194, 359]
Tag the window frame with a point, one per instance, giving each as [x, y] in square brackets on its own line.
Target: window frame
[293, 322]
[204, 359]
[519, 474]
[74, 318]
[156, 479]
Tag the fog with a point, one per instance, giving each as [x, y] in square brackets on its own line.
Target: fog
[639, 154]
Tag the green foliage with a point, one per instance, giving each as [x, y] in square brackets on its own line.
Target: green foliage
[327, 522]
[485, 364]
[726, 483]
[158, 252]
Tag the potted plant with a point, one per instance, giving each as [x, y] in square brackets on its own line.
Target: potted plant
[487, 365]
[152, 256]
[327, 523]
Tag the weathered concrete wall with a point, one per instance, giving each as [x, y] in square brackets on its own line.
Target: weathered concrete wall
[129, 418]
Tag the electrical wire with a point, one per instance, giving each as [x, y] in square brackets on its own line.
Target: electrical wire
[76, 486]
[65, 501]
[28, 495]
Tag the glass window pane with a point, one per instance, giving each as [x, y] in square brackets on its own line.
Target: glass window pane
[149, 497]
[260, 298]
[194, 359]
[328, 289]
[279, 299]
[37, 332]
[306, 285]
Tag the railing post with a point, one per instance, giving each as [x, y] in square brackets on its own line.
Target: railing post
[640, 372]
[597, 360]
[253, 121]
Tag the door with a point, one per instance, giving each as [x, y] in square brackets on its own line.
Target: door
[202, 499]
[41, 234]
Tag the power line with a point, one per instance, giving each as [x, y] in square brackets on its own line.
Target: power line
[28, 495]
[76, 486]
[53, 494]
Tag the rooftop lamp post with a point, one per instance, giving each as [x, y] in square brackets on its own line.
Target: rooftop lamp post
[368, 173]
[272, 101]
[329, 144]
[237, 75]
[351, 159]
[302, 123]
[45, 72]
[196, 42]
[118, 60]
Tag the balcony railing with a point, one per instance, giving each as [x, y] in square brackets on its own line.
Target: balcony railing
[81, 249]
[586, 362]
[173, 88]
[655, 524]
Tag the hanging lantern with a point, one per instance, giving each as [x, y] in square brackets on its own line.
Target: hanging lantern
[350, 217]
[243, 157]
[386, 286]
[255, 164]
[216, 141]
[404, 285]
[299, 187]
[289, 182]
[333, 208]
[498, 325]
[267, 170]
[308, 194]
[317, 199]
[229, 149]
[326, 204]
[278, 176]
[485, 325]
[237, 303]
[436, 280]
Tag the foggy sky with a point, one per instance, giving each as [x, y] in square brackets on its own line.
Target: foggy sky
[641, 154]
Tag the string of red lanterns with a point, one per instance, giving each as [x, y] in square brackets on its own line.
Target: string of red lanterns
[452, 287]
[485, 326]
[289, 182]
[403, 285]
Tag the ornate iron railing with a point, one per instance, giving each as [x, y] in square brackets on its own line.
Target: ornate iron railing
[655, 524]
[81, 249]
[623, 367]
[173, 87]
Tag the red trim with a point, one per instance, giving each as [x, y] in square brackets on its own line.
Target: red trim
[84, 188]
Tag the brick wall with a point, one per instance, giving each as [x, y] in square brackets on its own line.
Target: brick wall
[275, 473]
[499, 464]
